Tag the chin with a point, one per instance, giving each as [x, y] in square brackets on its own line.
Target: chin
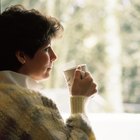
[41, 77]
[44, 75]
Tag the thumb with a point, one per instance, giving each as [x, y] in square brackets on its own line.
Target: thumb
[77, 74]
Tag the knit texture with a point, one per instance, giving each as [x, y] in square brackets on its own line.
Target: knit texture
[78, 104]
[27, 115]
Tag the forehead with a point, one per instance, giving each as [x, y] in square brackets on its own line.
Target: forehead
[48, 41]
[47, 44]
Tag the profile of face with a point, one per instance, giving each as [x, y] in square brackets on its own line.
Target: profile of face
[40, 65]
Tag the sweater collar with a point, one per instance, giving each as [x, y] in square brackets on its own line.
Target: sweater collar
[15, 78]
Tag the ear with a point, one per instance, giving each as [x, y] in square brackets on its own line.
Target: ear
[21, 57]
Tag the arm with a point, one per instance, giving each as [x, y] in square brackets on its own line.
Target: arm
[78, 122]
[81, 90]
[37, 117]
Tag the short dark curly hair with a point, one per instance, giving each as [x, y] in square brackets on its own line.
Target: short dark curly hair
[24, 30]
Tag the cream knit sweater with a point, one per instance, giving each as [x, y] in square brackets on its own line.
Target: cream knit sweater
[27, 115]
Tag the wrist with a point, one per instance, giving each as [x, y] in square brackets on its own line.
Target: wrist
[78, 104]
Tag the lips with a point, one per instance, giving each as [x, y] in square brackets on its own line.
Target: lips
[49, 66]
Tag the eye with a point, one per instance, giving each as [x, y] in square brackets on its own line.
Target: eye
[46, 49]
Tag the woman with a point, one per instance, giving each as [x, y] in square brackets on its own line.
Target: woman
[26, 57]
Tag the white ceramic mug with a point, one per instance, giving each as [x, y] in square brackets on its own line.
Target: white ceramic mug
[69, 74]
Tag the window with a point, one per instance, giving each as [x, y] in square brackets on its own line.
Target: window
[104, 35]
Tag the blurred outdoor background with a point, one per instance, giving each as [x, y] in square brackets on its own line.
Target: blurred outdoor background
[105, 35]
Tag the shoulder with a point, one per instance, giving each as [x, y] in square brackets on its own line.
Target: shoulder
[17, 92]
[13, 97]
[23, 97]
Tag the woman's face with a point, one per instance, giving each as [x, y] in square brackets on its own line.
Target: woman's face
[40, 65]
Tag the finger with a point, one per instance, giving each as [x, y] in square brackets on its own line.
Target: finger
[82, 74]
[92, 90]
[88, 76]
[77, 74]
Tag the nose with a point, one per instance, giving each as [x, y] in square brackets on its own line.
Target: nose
[53, 56]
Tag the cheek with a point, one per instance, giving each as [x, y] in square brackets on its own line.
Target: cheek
[43, 59]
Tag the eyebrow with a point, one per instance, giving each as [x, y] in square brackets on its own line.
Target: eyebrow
[47, 44]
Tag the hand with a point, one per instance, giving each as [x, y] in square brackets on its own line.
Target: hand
[83, 85]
